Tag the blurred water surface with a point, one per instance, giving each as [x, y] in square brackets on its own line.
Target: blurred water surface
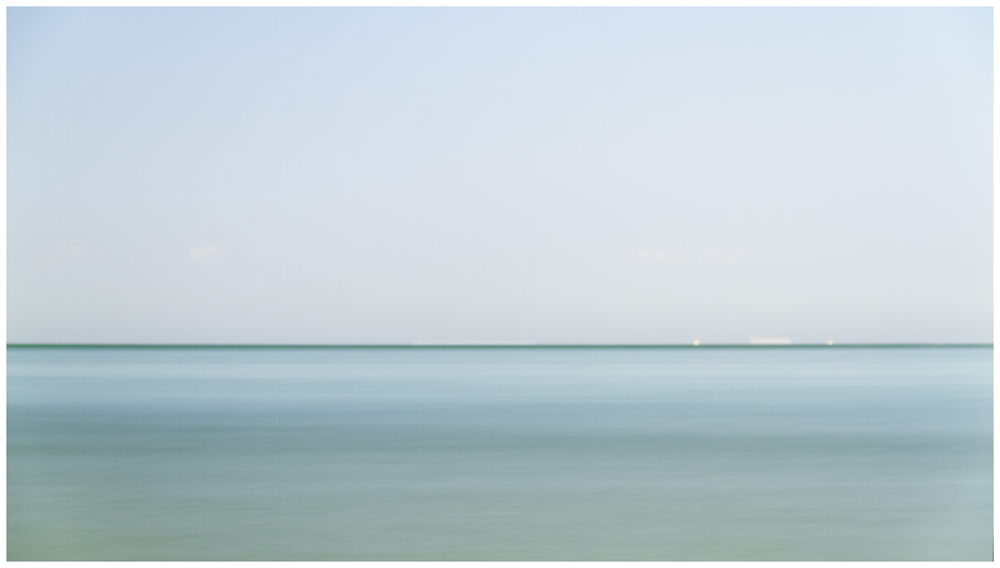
[440, 453]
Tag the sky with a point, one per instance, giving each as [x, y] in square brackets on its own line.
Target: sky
[374, 176]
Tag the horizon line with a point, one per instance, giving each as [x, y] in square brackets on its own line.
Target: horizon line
[484, 345]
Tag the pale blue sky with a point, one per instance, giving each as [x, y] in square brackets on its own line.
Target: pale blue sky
[490, 175]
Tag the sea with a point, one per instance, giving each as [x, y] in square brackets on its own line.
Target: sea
[500, 453]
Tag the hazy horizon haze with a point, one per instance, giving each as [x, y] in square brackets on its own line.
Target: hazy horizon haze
[344, 175]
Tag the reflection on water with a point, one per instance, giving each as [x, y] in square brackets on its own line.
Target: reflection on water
[510, 454]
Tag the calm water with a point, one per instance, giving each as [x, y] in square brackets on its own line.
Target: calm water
[500, 453]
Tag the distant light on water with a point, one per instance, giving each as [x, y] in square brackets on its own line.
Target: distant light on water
[770, 341]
